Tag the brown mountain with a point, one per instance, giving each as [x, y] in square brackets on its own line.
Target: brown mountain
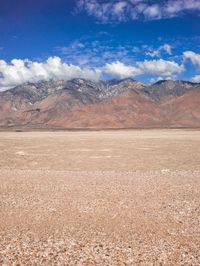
[80, 103]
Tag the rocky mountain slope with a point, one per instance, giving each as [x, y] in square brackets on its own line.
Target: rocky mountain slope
[80, 103]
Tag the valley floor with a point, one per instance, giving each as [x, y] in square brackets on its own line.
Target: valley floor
[100, 198]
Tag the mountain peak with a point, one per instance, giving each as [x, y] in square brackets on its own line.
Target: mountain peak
[88, 103]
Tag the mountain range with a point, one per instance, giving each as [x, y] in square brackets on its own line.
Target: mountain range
[81, 103]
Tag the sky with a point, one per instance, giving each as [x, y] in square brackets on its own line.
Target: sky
[146, 40]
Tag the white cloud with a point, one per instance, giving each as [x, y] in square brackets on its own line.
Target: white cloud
[119, 70]
[196, 79]
[152, 12]
[194, 57]
[160, 67]
[167, 48]
[165, 69]
[175, 7]
[119, 7]
[156, 79]
[153, 53]
[117, 11]
[20, 71]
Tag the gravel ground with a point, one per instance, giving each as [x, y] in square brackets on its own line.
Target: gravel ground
[99, 218]
[100, 198]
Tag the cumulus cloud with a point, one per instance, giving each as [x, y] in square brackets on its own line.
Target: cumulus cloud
[196, 79]
[20, 71]
[194, 57]
[163, 68]
[120, 70]
[160, 67]
[123, 10]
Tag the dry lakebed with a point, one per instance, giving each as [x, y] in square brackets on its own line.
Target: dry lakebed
[122, 197]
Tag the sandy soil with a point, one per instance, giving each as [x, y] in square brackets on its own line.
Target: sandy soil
[100, 198]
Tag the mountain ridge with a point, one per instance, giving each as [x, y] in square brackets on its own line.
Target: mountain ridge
[82, 103]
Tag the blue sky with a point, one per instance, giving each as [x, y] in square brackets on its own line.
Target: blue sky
[145, 40]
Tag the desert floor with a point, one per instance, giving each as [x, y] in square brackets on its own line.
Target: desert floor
[129, 197]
